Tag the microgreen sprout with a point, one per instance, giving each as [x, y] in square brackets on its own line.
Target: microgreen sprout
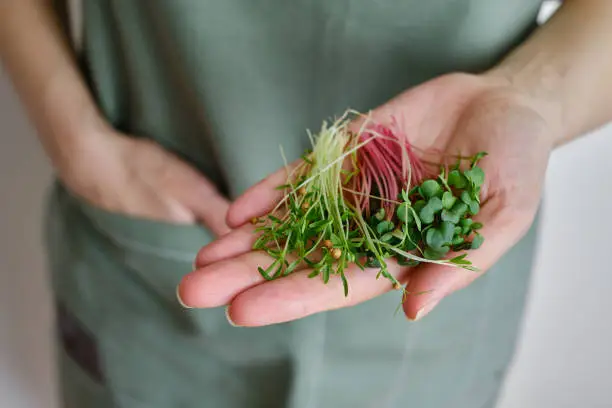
[364, 197]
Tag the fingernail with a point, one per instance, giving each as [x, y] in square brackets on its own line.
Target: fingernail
[229, 319]
[178, 297]
[426, 309]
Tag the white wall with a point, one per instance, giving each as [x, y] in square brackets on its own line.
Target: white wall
[564, 357]
[25, 360]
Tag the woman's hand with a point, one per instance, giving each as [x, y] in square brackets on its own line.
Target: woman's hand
[108, 169]
[138, 177]
[453, 114]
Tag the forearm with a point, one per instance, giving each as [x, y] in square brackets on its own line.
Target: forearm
[566, 68]
[39, 61]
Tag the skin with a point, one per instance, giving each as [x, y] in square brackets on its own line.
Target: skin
[550, 90]
[95, 162]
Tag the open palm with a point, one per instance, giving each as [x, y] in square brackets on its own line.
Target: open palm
[454, 114]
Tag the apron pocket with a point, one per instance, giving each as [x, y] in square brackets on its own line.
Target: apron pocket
[160, 253]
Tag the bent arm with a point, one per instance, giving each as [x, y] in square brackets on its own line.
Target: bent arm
[41, 65]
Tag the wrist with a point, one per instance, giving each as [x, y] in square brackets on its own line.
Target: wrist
[536, 90]
[85, 154]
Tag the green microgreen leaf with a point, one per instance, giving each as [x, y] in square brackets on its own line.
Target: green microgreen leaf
[384, 227]
[474, 207]
[477, 241]
[430, 188]
[264, 273]
[456, 179]
[477, 157]
[434, 254]
[450, 216]
[404, 213]
[457, 240]
[475, 175]
[466, 197]
[344, 284]
[435, 238]
[426, 215]
[448, 200]
[436, 204]
[448, 230]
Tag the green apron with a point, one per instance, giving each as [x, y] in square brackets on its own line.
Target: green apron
[223, 83]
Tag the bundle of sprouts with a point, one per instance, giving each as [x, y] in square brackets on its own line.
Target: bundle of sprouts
[366, 197]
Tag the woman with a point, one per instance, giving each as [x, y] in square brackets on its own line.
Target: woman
[178, 107]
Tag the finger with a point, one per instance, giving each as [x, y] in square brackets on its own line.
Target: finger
[208, 205]
[259, 199]
[216, 284]
[430, 283]
[237, 242]
[297, 296]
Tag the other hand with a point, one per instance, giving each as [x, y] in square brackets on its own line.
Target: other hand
[138, 177]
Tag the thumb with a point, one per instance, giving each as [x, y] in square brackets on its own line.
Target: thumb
[206, 203]
[430, 283]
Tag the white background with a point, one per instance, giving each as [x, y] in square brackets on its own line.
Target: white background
[564, 358]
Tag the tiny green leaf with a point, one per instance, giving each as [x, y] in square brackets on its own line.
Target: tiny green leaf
[291, 267]
[448, 200]
[466, 222]
[456, 179]
[384, 227]
[475, 175]
[477, 226]
[460, 208]
[436, 204]
[419, 205]
[426, 215]
[433, 254]
[404, 213]
[450, 216]
[325, 273]
[335, 240]
[466, 198]
[380, 214]
[264, 273]
[436, 238]
[457, 240]
[386, 237]
[477, 157]
[474, 207]
[344, 284]
[477, 241]
[430, 188]
[458, 258]
[447, 229]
